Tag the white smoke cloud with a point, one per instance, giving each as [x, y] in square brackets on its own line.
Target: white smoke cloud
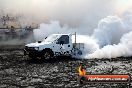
[124, 48]
[114, 35]
[109, 31]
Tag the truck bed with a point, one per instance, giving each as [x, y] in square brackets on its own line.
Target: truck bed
[79, 46]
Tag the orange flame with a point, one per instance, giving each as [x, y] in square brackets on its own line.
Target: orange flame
[82, 71]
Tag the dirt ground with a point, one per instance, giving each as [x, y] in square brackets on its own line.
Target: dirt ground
[18, 71]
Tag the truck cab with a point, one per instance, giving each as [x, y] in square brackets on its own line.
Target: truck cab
[53, 45]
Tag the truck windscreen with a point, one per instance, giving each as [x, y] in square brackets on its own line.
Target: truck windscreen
[51, 38]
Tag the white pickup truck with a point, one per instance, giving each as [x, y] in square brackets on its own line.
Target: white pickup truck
[55, 45]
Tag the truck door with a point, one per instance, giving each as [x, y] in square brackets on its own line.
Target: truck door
[64, 43]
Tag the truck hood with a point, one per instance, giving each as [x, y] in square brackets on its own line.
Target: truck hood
[37, 44]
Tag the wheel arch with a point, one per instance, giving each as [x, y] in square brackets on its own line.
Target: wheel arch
[49, 50]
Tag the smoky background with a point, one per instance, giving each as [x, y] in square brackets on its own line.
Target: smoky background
[105, 24]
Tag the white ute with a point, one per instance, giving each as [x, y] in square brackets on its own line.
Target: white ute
[55, 45]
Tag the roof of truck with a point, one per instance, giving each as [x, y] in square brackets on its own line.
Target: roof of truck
[61, 34]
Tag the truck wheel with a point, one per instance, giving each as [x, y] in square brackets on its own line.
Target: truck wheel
[79, 52]
[47, 54]
[32, 56]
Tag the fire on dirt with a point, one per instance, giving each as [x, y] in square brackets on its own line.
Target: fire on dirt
[17, 70]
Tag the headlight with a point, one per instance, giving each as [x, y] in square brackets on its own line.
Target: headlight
[36, 48]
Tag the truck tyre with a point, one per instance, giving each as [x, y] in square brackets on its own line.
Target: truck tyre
[32, 56]
[47, 54]
[79, 52]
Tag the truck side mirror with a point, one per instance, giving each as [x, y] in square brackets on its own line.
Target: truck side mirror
[61, 42]
[45, 37]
